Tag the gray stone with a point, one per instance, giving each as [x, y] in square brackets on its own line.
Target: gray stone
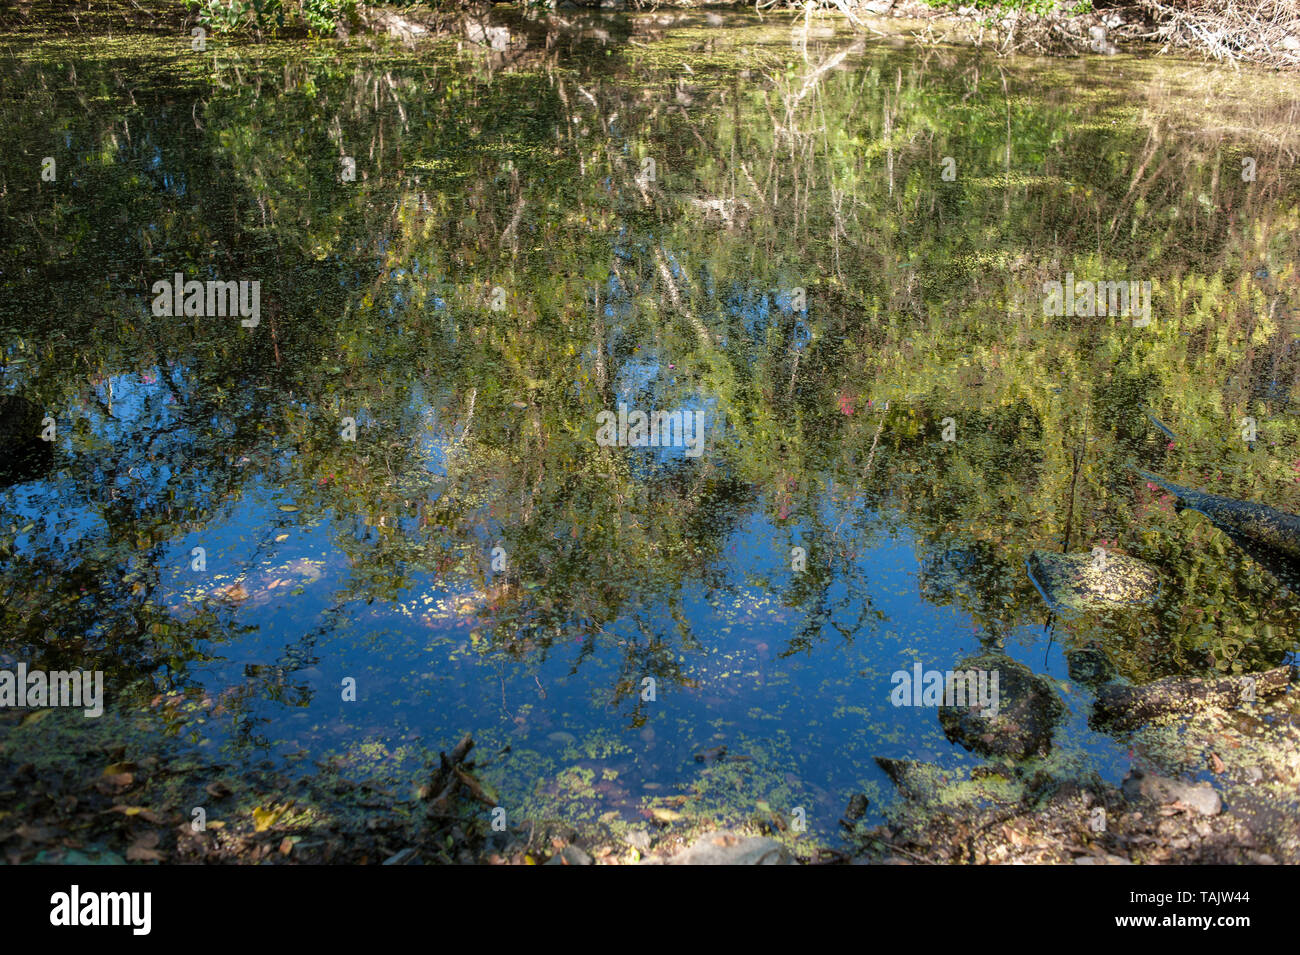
[1102, 860]
[569, 855]
[1027, 712]
[1199, 796]
[728, 848]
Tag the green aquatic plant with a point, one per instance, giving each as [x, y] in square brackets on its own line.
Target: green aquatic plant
[267, 16]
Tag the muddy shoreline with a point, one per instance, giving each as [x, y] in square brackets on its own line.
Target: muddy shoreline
[153, 800]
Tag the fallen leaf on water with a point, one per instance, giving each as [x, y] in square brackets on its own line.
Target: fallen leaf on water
[235, 592]
[264, 819]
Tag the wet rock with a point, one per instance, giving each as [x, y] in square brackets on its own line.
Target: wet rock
[857, 807]
[569, 855]
[728, 848]
[1100, 581]
[1161, 789]
[917, 782]
[1098, 41]
[1089, 665]
[1023, 721]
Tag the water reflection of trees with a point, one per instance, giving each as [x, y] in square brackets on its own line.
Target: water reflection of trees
[525, 176]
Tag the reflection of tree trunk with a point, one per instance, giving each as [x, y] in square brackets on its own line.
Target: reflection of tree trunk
[1074, 479]
[815, 77]
[1006, 193]
[675, 297]
[599, 332]
[469, 417]
[392, 89]
[1154, 142]
[537, 486]
[510, 234]
[871, 455]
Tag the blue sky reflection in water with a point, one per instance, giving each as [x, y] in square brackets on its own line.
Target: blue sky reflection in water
[825, 335]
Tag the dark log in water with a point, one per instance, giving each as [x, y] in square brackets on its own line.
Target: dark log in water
[1258, 523]
[1122, 707]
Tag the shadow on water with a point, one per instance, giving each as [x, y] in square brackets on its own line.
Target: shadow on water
[24, 455]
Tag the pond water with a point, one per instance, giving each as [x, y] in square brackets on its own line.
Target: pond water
[373, 515]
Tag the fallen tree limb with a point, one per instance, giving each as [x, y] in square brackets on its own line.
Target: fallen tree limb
[1121, 707]
[449, 776]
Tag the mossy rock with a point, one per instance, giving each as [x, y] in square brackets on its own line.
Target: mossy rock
[1086, 582]
[1028, 710]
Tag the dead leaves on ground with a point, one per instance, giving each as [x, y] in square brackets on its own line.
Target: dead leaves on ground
[145, 848]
